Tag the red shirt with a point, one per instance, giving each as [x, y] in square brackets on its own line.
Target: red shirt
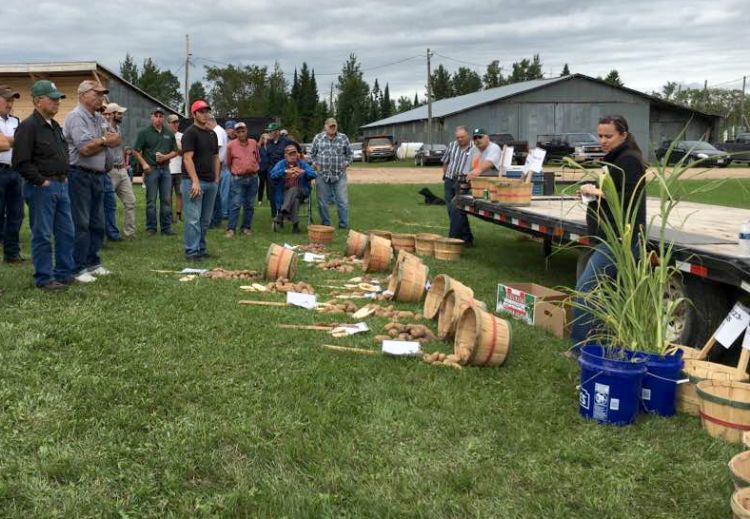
[243, 159]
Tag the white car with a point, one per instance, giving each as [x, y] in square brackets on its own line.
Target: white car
[356, 151]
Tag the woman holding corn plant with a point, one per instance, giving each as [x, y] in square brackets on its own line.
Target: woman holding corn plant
[624, 160]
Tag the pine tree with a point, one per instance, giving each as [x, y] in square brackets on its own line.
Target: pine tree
[386, 105]
[196, 91]
[129, 70]
[416, 101]
[351, 103]
[565, 70]
[613, 78]
[493, 77]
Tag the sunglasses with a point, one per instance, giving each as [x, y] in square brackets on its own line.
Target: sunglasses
[478, 137]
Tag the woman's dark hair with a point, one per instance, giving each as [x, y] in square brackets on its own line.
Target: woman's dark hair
[621, 125]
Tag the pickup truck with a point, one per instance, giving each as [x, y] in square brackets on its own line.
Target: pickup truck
[582, 147]
[378, 147]
[739, 147]
[520, 148]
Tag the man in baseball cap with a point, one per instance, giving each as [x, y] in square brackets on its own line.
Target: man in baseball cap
[117, 182]
[11, 197]
[199, 105]
[114, 108]
[89, 85]
[46, 88]
[275, 150]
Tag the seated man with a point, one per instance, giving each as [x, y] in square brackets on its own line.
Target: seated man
[295, 175]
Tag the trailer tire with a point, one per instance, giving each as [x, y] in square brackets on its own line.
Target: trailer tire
[709, 304]
[583, 259]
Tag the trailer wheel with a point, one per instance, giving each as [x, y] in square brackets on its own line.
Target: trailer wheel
[696, 319]
[583, 259]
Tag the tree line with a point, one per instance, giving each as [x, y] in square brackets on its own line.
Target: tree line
[254, 90]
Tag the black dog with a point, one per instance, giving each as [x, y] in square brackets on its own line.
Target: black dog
[430, 198]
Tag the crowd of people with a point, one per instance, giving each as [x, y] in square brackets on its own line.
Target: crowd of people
[72, 174]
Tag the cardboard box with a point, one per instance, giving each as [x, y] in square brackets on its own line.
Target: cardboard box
[536, 305]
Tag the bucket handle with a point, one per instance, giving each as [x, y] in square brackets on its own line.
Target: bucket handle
[579, 386]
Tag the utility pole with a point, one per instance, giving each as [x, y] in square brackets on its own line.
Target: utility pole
[743, 114]
[330, 101]
[187, 80]
[429, 98]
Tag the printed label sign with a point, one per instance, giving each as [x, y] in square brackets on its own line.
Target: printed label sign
[736, 322]
[601, 402]
[517, 303]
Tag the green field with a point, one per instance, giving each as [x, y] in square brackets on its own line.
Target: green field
[142, 396]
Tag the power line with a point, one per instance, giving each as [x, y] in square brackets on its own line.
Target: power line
[459, 60]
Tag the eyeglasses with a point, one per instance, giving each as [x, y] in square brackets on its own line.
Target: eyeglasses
[478, 137]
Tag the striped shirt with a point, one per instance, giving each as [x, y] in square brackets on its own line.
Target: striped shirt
[458, 160]
[332, 155]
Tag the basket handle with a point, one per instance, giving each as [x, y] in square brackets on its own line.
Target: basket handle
[744, 358]
[707, 349]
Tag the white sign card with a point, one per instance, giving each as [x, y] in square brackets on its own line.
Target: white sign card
[746, 340]
[507, 157]
[534, 160]
[304, 300]
[736, 322]
[401, 348]
[193, 271]
[309, 257]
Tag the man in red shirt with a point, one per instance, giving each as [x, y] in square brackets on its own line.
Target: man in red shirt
[243, 162]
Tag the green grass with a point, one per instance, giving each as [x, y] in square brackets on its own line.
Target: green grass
[141, 396]
[390, 164]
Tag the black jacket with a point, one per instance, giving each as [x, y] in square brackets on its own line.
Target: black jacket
[627, 170]
[40, 151]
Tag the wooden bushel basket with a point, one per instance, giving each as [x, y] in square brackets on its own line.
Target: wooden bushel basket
[697, 369]
[739, 467]
[450, 308]
[478, 185]
[280, 263]
[402, 241]
[378, 254]
[740, 503]
[511, 192]
[482, 339]
[424, 243]
[725, 408]
[448, 248]
[356, 243]
[439, 287]
[320, 234]
[383, 234]
[408, 281]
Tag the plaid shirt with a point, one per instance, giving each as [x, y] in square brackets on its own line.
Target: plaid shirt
[332, 155]
[458, 160]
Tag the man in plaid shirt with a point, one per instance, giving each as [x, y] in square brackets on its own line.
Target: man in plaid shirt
[331, 154]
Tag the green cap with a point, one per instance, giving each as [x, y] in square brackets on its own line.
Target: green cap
[45, 87]
[273, 127]
[479, 131]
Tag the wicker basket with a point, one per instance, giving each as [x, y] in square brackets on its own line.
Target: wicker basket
[740, 503]
[508, 191]
[424, 243]
[408, 281]
[320, 234]
[402, 241]
[725, 408]
[739, 467]
[383, 234]
[450, 308]
[378, 254]
[448, 248]
[482, 339]
[356, 243]
[280, 263]
[439, 287]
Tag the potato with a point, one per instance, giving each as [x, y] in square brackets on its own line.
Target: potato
[441, 357]
[390, 326]
[393, 332]
[451, 358]
[403, 337]
[381, 338]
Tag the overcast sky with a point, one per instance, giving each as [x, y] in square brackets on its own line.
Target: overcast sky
[648, 41]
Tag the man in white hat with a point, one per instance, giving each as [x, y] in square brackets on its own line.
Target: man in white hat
[120, 181]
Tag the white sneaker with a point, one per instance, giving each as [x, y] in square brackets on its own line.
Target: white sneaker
[100, 271]
[85, 277]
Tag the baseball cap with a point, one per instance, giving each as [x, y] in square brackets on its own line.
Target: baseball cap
[90, 84]
[45, 87]
[240, 125]
[8, 93]
[479, 131]
[198, 105]
[157, 110]
[230, 125]
[114, 107]
[173, 118]
[273, 127]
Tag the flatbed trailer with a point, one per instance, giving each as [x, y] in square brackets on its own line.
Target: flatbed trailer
[705, 237]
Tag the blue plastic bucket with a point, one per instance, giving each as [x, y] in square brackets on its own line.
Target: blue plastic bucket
[659, 391]
[610, 390]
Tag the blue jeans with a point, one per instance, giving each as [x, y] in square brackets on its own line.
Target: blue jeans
[159, 182]
[221, 206]
[11, 208]
[110, 209]
[336, 192]
[459, 223]
[243, 192]
[197, 214]
[50, 207]
[87, 207]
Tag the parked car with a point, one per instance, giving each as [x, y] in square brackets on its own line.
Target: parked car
[694, 150]
[583, 147]
[356, 151]
[738, 147]
[429, 154]
[520, 148]
[378, 147]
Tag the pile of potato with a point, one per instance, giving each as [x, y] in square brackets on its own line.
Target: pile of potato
[315, 248]
[407, 332]
[438, 358]
[220, 273]
[339, 265]
[285, 285]
[337, 307]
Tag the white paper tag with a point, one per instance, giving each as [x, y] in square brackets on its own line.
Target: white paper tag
[746, 340]
[507, 156]
[736, 322]
[309, 257]
[193, 271]
[534, 160]
[614, 404]
[304, 300]
[350, 329]
[290, 247]
[401, 348]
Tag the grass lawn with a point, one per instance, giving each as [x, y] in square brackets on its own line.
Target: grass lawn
[141, 396]
[390, 164]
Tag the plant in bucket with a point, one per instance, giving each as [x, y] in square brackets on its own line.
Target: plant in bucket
[628, 363]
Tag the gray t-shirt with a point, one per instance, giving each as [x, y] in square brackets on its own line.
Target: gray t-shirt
[493, 153]
[116, 153]
[80, 128]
